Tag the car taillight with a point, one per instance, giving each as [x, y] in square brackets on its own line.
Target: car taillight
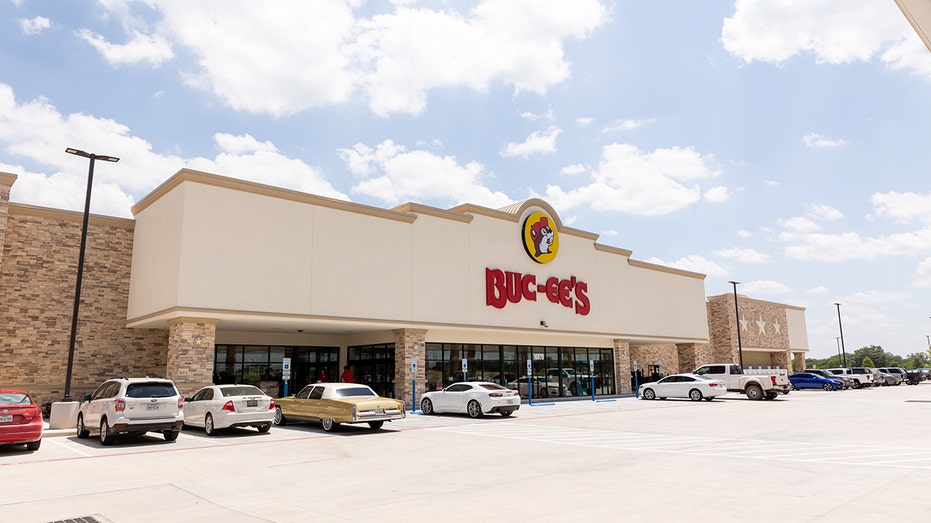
[271, 404]
[180, 403]
[495, 394]
[119, 405]
[228, 406]
[712, 384]
[773, 379]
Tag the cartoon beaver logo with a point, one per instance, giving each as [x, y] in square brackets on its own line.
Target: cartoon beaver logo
[540, 238]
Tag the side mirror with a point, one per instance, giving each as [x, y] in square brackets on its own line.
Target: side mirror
[188, 399]
[87, 397]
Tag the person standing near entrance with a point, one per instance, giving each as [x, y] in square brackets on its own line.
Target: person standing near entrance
[346, 376]
[323, 378]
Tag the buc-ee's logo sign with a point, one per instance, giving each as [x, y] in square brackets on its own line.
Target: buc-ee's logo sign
[541, 241]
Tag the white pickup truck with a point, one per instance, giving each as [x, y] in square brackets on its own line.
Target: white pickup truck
[755, 383]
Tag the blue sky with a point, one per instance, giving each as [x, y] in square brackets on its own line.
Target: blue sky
[780, 144]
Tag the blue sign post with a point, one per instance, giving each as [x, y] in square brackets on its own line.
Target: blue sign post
[636, 386]
[413, 385]
[529, 383]
[591, 373]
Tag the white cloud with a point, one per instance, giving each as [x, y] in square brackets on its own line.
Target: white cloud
[765, 287]
[584, 120]
[923, 273]
[834, 31]
[695, 263]
[800, 225]
[745, 255]
[34, 26]
[630, 181]
[36, 129]
[824, 212]
[874, 297]
[548, 115]
[537, 143]
[817, 141]
[818, 290]
[153, 49]
[625, 125]
[419, 176]
[574, 170]
[903, 207]
[717, 194]
[744, 234]
[772, 183]
[289, 56]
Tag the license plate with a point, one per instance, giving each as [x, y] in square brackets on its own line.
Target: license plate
[252, 403]
[6, 419]
[379, 411]
[151, 407]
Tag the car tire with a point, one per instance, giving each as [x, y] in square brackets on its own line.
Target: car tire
[279, 417]
[754, 392]
[329, 425]
[426, 406]
[106, 437]
[771, 395]
[505, 413]
[544, 393]
[171, 435]
[695, 395]
[264, 428]
[33, 445]
[648, 394]
[83, 433]
[375, 425]
[827, 386]
[208, 425]
[474, 409]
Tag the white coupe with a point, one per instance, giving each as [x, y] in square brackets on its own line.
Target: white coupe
[690, 386]
[474, 398]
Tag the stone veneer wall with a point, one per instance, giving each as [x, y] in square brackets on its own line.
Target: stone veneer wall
[191, 346]
[38, 268]
[409, 345]
[646, 355]
[763, 325]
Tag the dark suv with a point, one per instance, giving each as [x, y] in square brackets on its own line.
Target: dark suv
[132, 406]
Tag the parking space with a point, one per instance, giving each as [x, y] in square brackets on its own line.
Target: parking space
[810, 455]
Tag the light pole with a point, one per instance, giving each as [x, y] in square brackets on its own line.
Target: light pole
[841, 327]
[77, 285]
[837, 340]
[740, 349]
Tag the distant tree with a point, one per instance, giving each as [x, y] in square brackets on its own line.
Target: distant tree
[826, 363]
[867, 362]
[875, 353]
[916, 361]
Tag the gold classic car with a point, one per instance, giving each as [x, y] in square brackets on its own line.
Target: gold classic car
[334, 403]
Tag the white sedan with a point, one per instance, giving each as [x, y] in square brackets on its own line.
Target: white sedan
[690, 386]
[216, 407]
[474, 398]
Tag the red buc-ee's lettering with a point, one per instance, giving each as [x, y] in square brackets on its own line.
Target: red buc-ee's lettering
[502, 287]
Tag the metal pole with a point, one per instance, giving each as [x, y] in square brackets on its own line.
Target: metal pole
[840, 326]
[837, 341]
[740, 349]
[77, 286]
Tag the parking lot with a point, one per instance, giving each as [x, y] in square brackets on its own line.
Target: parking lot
[812, 455]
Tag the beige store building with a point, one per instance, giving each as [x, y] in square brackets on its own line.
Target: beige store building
[221, 280]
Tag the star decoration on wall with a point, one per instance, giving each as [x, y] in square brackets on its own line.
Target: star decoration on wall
[761, 324]
[743, 324]
[777, 326]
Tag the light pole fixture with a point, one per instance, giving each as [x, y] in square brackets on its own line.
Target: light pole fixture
[77, 285]
[840, 326]
[740, 349]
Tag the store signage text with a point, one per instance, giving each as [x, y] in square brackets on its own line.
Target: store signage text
[502, 287]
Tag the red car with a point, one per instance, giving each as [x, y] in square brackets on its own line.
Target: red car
[20, 419]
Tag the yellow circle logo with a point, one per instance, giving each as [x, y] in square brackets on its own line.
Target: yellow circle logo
[541, 241]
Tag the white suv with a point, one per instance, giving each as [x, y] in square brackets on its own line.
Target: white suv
[132, 406]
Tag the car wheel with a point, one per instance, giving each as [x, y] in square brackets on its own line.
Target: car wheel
[329, 425]
[544, 392]
[106, 437]
[426, 406]
[857, 385]
[33, 445]
[505, 413]
[828, 386]
[771, 395]
[208, 425]
[695, 395]
[648, 394]
[279, 417]
[82, 430]
[754, 392]
[474, 409]
[264, 428]
[375, 425]
[171, 435]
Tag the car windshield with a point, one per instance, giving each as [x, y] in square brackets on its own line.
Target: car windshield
[241, 390]
[344, 392]
[704, 378]
[14, 398]
[492, 386]
[150, 390]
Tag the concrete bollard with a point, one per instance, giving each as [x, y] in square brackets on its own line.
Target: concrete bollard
[64, 415]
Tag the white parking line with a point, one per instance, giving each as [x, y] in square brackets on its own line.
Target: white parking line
[72, 448]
